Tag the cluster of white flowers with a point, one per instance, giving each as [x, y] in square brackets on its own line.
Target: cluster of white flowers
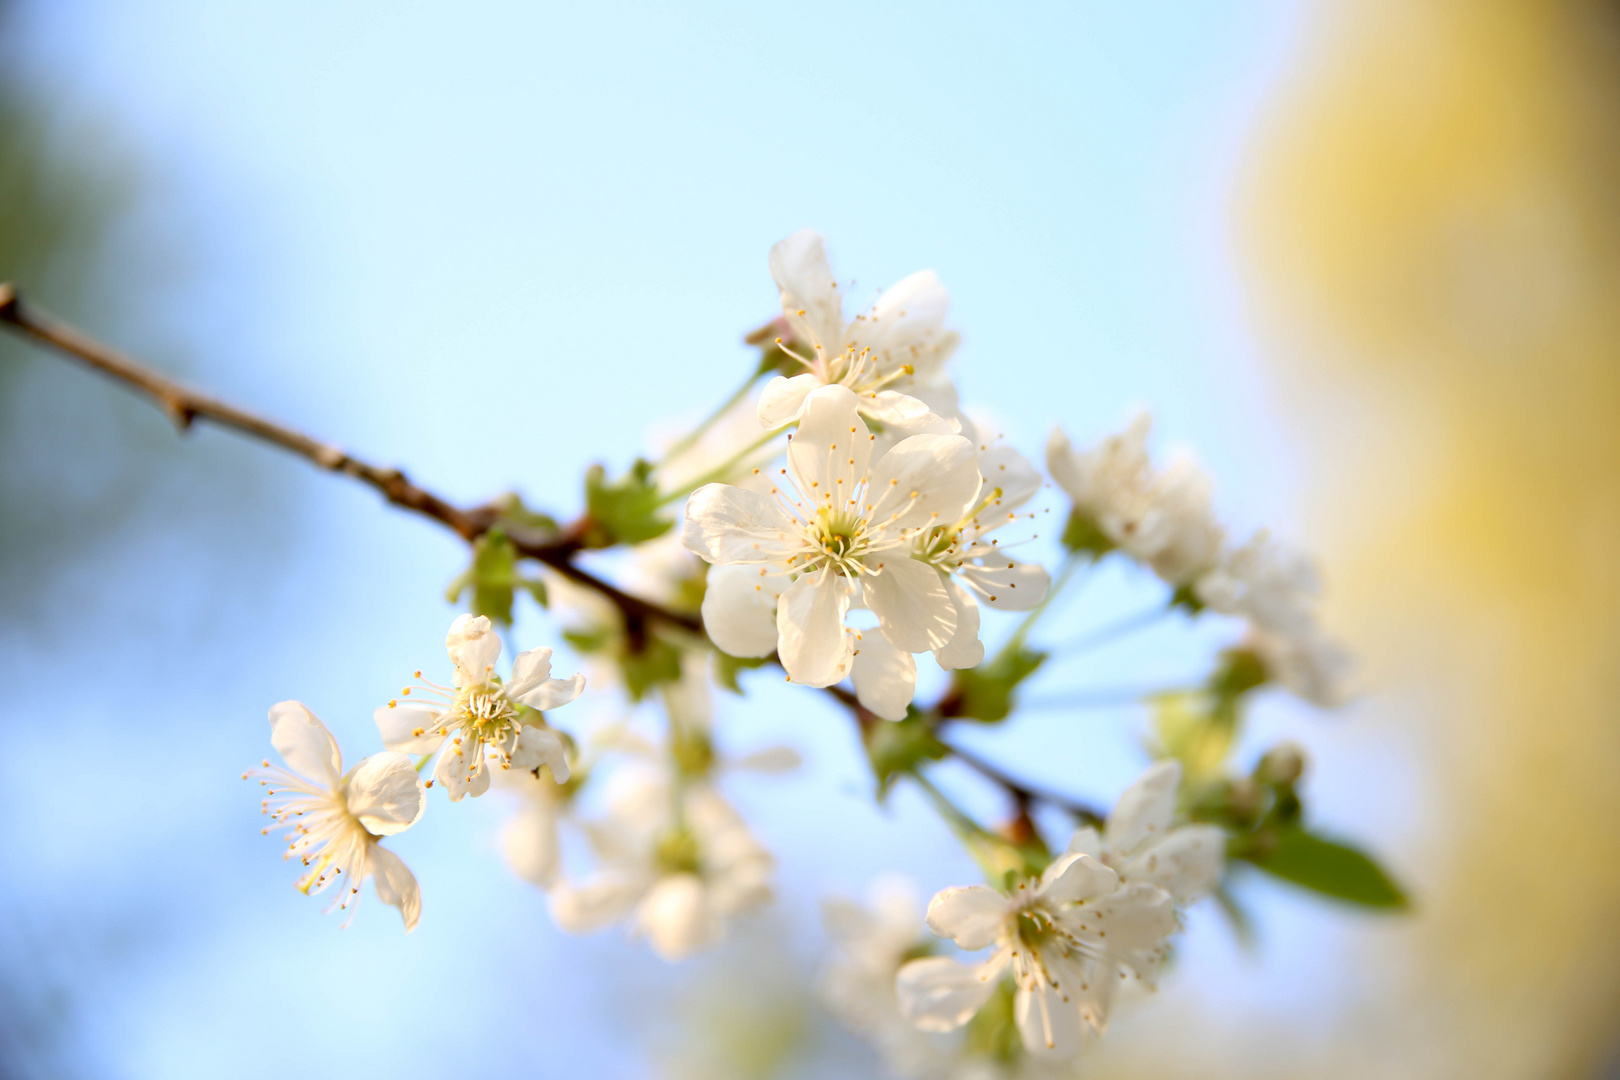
[1165, 519]
[847, 519]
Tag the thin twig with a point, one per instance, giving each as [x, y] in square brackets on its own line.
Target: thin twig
[1023, 793]
[557, 550]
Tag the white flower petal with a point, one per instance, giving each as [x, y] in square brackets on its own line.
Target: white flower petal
[810, 630]
[906, 322]
[894, 409]
[810, 297]
[529, 669]
[1007, 584]
[304, 744]
[395, 884]
[925, 480]
[831, 450]
[532, 846]
[726, 524]
[1076, 877]
[1010, 472]
[914, 609]
[677, 918]
[782, 401]
[580, 909]
[971, 915]
[1146, 809]
[1086, 841]
[1187, 864]
[474, 647]
[537, 746]
[939, 994]
[739, 610]
[399, 725]
[965, 649]
[1138, 918]
[385, 794]
[885, 677]
[553, 693]
[461, 771]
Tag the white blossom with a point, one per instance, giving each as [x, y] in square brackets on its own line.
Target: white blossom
[480, 713]
[1065, 938]
[531, 839]
[891, 356]
[677, 877]
[1142, 844]
[1106, 482]
[1278, 589]
[966, 550]
[871, 942]
[336, 818]
[847, 530]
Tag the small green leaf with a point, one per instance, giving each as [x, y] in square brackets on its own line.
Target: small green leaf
[1240, 671]
[1081, 533]
[657, 661]
[985, 693]
[624, 511]
[1185, 598]
[1330, 868]
[491, 578]
[726, 667]
[897, 747]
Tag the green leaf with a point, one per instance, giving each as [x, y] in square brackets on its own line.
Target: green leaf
[1330, 868]
[985, 693]
[1081, 533]
[624, 511]
[491, 578]
[726, 667]
[657, 661]
[897, 747]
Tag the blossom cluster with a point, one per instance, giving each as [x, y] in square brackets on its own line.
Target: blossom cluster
[839, 521]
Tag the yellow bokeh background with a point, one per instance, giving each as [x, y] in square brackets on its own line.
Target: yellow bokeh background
[1432, 222]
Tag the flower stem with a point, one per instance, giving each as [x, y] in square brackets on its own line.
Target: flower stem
[685, 442]
[1071, 566]
[719, 472]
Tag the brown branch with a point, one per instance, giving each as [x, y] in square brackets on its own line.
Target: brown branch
[185, 406]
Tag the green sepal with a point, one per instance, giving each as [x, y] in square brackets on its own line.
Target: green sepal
[1082, 533]
[1185, 598]
[726, 667]
[623, 511]
[985, 693]
[1330, 868]
[898, 747]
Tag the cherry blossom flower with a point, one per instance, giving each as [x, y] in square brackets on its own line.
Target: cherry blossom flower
[966, 550]
[1104, 483]
[848, 529]
[1278, 589]
[479, 712]
[1142, 844]
[892, 356]
[678, 868]
[1065, 939]
[336, 819]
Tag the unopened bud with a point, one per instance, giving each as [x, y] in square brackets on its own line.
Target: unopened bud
[1283, 764]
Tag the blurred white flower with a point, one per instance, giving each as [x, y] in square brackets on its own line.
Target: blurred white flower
[336, 818]
[1277, 589]
[1065, 938]
[891, 356]
[677, 866]
[531, 839]
[479, 712]
[851, 526]
[1164, 519]
[1141, 844]
[871, 942]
